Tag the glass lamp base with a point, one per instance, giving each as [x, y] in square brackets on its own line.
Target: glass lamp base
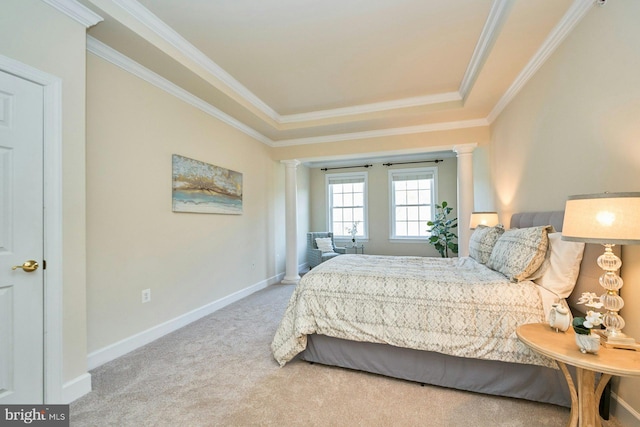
[612, 336]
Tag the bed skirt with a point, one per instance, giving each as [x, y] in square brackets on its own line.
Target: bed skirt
[536, 383]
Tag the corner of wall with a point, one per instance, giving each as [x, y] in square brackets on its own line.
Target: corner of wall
[76, 388]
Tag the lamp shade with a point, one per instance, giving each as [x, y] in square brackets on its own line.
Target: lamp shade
[483, 218]
[612, 218]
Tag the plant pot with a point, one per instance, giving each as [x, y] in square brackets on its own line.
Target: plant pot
[588, 343]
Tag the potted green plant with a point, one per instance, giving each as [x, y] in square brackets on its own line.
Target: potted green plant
[442, 236]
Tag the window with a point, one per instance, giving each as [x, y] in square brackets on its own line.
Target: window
[347, 203]
[412, 199]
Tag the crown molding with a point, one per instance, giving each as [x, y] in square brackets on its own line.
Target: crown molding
[118, 59]
[145, 17]
[111, 55]
[169, 35]
[497, 15]
[76, 11]
[376, 107]
[571, 18]
[433, 127]
[574, 14]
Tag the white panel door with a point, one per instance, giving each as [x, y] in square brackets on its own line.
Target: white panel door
[21, 240]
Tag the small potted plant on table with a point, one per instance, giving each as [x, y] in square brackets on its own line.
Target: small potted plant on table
[587, 340]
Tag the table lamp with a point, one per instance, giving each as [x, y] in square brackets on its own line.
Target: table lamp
[483, 218]
[609, 219]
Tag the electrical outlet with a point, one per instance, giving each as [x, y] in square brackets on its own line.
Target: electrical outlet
[146, 295]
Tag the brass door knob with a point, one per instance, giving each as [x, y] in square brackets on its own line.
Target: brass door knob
[28, 266]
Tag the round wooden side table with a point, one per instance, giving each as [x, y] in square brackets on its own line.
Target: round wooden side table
[562, 347]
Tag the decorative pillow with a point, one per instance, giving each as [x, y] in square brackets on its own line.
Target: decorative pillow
[561, 273]
[324, 244]
[482, 241]
[519, 253]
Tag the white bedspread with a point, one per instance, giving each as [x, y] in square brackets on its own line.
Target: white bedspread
[454, 306]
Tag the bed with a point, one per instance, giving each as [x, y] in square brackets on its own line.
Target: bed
[395, 345]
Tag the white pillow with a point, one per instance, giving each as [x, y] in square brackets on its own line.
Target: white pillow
[324, 244]
[561, 274]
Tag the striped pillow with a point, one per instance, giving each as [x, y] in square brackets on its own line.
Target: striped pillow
[482, 242]
[519, 253]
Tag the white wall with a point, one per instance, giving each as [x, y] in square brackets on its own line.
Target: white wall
[574, 129]
[135, 241]
[483, 180]
[35, 34]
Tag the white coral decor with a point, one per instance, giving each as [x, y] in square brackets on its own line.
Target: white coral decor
[353, 230]
[590, 300]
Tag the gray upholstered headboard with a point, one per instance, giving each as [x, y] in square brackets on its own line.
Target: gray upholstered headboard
[535, 219]
[589, 270]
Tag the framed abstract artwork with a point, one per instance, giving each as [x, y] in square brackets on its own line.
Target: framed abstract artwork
[204, 188]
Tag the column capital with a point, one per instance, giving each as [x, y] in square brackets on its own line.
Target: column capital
[464, 148]
[293, 163]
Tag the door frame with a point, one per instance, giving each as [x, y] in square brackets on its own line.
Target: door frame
[52, 200]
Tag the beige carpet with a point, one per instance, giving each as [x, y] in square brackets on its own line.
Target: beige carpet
[218, 371]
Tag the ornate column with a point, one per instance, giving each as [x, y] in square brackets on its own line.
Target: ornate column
[464, 154]
[291, 275]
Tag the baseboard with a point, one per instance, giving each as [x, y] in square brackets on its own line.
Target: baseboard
[624, 413]
[76, 388]
[120, 348]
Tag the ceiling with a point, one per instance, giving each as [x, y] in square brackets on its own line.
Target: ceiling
[294, 72]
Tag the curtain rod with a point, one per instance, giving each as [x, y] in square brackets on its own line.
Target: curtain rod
[346, 167]
[407, 163]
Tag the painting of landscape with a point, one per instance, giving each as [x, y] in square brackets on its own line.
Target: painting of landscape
[203, 188]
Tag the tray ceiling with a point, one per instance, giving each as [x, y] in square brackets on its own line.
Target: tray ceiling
[309, 71]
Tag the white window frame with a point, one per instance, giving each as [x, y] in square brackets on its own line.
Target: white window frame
[364, 228]
[392, 206]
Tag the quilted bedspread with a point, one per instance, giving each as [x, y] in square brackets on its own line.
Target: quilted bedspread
[453, 306]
